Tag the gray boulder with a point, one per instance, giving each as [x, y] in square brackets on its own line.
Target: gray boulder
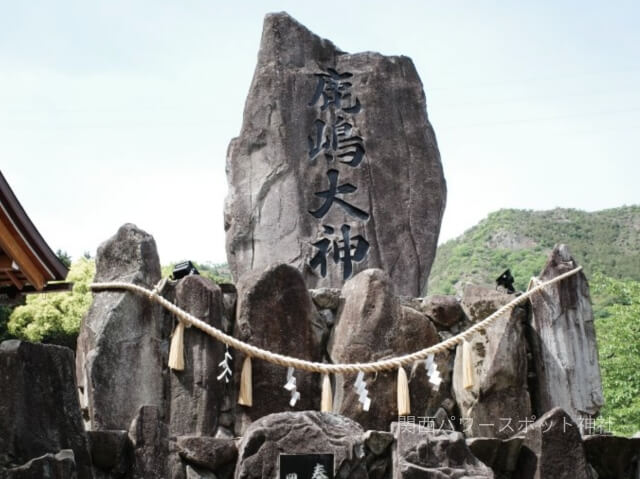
[424, 452]
[39, 410]
[196, 394]
[335, 150]
[499, 399]
[564, 342]
[443, 310]
[305, 432]
[501, 455]
[372, 325]
[552, 447]
[275, 312]
[209, 453]
[122, 346]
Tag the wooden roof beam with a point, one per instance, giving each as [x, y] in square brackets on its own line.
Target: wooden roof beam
[14, 250]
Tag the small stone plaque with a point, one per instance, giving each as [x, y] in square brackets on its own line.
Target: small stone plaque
[306, 466]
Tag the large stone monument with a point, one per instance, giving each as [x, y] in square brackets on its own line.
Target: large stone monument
[336, 168]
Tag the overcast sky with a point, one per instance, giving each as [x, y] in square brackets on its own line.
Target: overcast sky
[121, 111]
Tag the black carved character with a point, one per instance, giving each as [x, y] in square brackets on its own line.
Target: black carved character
[334, 89]
[346, 251]
[331, 196]
[337, 140]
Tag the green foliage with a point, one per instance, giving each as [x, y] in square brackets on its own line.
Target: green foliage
[5, 312]
[618, 333]
[55, 317]
[218, 273]
[607, 241]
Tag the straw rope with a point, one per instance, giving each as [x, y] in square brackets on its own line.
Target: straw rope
[288, 361]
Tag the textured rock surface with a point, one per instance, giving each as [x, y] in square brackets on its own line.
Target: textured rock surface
[275, 312]
[372, 325]
[420, 452]
[305, 432]
[501, 455]
[50, 466]
[564, 342]
[443, 310]
[273, 181]
[39, 408]
[196, 395]
[209, 453]
[111, 451]
[120, 353]
[499, 399]
[613, 457]
[149, 437]
[552, 447]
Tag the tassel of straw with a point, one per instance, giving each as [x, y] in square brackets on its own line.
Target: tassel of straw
[326, 404]
[404, 404]
[467, 366]
[176, 352]
[245, 398]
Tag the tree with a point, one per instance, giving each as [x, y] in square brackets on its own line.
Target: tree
[55, 317]
[64, 258]
[618, 334]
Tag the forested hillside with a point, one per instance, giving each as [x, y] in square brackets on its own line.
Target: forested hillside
[606, 241]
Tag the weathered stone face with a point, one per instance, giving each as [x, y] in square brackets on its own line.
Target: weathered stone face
[123, 338]
[335, 150]
[301, 432]
[275, 312]
[196, 394]
[421, 452]
[564, 342]
[40, 413]
[372, 325]
[552, 447]
[499, 399]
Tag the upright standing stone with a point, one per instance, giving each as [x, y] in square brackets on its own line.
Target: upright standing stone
[119, 361]
[373, 325]
[196, 395]
[564, 345]
[40, 413]
[499, 400]
[336, 168]
[275, 312]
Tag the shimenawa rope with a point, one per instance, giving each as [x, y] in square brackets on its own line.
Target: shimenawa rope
[288, 361]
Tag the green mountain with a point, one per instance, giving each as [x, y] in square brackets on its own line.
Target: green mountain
[605, 241]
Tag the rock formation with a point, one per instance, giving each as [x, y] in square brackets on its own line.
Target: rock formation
[499, 400]
[336, 168]
[41, 427]
[275, 312]
[122, 342]
[564, 342]
[372, 325]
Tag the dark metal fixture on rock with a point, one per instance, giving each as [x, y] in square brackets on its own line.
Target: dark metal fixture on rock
[183, 269]
[506, 281]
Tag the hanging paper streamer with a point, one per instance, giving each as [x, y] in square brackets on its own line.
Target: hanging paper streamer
[363, 394]
[291, 386]
[326, 403]
[224, 364]
[432, 371]
[245, 397]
